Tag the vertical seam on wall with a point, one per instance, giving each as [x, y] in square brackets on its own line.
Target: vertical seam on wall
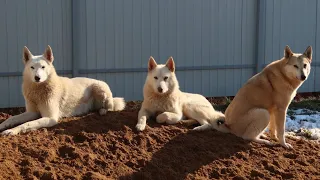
[258, 29]
[315, 43]
[5, 18]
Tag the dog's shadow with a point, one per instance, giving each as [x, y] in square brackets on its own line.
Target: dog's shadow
[94, 123]
[187, 153]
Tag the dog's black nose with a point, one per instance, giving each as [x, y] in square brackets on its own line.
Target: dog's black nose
[303, 77]
[160, 89]
[37, 78]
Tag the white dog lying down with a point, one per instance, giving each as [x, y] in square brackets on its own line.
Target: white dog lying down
[162, 94]
[49, 97]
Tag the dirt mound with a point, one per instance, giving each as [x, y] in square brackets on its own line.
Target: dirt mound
[108, 147]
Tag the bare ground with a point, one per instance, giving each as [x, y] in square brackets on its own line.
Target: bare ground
[108, 147]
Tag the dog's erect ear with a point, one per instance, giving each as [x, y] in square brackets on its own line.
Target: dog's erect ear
[308, 53]
[287, 52]
[48, 54]
[170, 64]
[26, 55]
[151, 64]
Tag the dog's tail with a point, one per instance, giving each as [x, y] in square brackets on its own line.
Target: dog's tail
[218, 123]
[118, 104]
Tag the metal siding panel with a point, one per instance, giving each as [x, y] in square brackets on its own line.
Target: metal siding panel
[63, 50]
[237, 58]
[269, 31]
[42, 44]
[205, 46]
[230, 46]
[214, 47]
[110, 33]
[181, 41]
[68, 35]
[277, 50]
[146, 38]
[80, 41]
[21, 34]
[171, 29]
[308, 37]
[32, 27]
[189, 75]
[251, 31]
[100, 33]
[317, 49]
[127, 50]
[57, 47]
[146, 45]
[286, 30]
[12, 40]
[14, 91]
[154, 32]
[91, 36]
[50, 24]
[110, 41]
[21, 42]
[162, 31]
[119, 14]
[197, 59]
[222, 81]
[137, 57]
[244, 40]
[100, 29]
[4, 91]
[138, 90]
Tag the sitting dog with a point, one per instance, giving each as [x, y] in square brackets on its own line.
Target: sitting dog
[265, 98]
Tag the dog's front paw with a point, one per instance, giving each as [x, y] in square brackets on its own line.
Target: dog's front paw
[287, 145]
[140, 127]
[197, 128]
[10, 132]
[161, 118]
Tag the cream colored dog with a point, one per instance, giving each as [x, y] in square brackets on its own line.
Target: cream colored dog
[162, 95]
[265, 98]
[49, 97]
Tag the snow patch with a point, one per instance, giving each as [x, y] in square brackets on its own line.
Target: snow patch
[304, 121]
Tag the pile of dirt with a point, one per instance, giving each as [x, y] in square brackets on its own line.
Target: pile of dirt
[108, 147]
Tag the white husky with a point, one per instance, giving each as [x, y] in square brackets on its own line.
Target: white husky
[49, 97]
[162, 95]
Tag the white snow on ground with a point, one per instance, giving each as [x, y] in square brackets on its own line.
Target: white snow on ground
[304, 120]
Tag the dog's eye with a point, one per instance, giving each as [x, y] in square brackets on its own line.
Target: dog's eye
[165, 78]
[42, 67]
[296, 66]
[32, 67]
[155, 77]
[305, 66]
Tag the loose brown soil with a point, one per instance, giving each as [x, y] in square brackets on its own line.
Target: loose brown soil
[108, 147]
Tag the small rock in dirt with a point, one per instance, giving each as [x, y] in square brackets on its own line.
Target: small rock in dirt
[67, 152]
[255, 173]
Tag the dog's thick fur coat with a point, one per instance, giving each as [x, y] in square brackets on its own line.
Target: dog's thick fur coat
[162, 97]
[264, 99]
[49, 97]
